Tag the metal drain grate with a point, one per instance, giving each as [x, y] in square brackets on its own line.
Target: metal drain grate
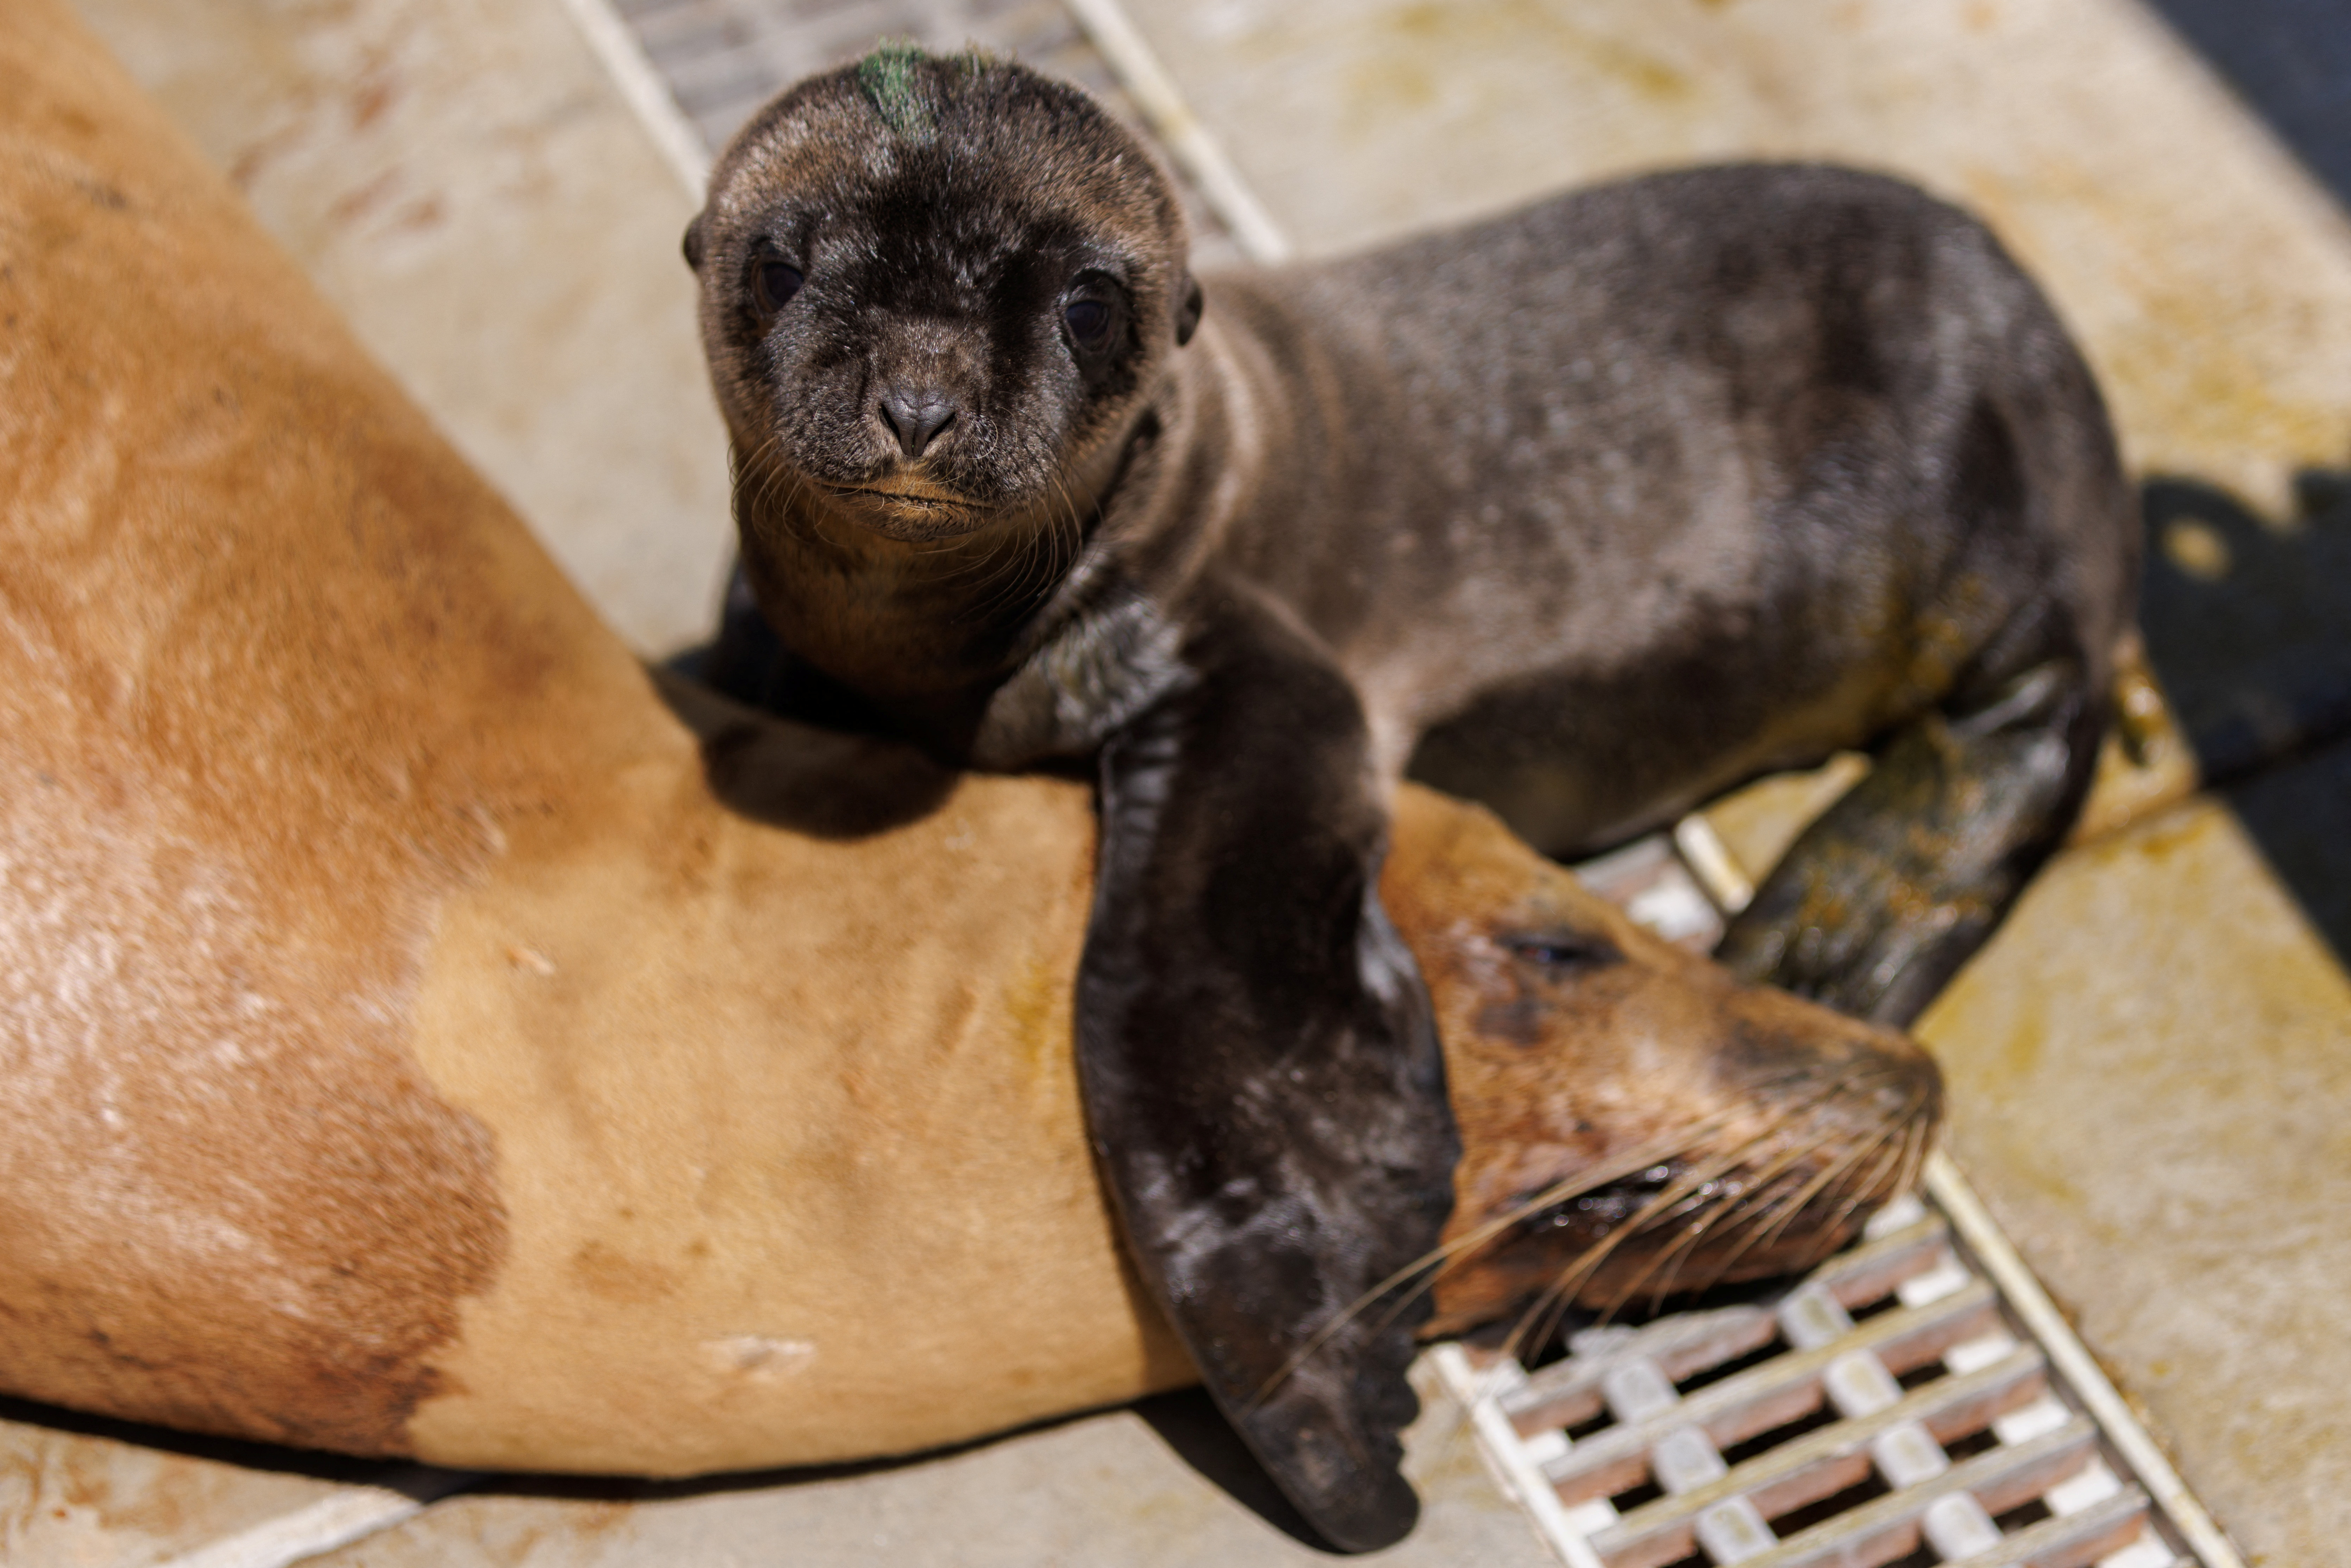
[696, 69]
[1914, 1400]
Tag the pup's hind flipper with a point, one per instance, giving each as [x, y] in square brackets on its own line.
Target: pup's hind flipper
[1881, 899]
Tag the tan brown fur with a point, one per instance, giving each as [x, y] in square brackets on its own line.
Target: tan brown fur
[404, 1049]
[1555, 1082]
[228, 811]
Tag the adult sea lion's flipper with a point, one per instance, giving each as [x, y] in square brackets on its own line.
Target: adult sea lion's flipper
[1261, 1074]
[1879, 901]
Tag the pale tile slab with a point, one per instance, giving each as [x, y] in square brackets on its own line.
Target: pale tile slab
[68, 1499]
[2150, 1078]
[2209, 277]
[1106, 1488]
[467, 186]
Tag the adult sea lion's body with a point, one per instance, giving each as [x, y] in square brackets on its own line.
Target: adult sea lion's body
[415, 1040]
[1590, 511]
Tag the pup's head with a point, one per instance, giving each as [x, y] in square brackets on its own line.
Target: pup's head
[935, 291]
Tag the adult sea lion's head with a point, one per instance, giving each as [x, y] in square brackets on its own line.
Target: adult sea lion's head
[935, 290]
[1635, 1123]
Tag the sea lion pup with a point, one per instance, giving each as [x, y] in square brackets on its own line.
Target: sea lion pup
[407, 1049]
[1590, 511]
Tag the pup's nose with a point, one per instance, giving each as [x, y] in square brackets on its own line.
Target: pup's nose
[916, 416]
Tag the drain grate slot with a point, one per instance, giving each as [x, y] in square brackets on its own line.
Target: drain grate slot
[1892, 1408]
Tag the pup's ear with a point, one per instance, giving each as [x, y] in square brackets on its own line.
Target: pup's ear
[693, 246]
[1188, 313]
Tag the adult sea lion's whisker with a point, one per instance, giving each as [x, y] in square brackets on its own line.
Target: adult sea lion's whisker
[1805, 1195]
[1552, 1304]
[1456, 1251]
[1884, 1176]
[1702, 1221]
[1916, 1131]
[1922, 1141]
[1695, 1225]
[1768, 1196]
[1889, 1144]
[1692, 1236]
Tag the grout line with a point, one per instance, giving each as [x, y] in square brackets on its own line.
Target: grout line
[348, 1515]
[2072, 1358]
[1188, 142]
[625, 62]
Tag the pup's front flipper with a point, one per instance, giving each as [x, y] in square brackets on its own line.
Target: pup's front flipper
[1878, 902]
[1261, 1070]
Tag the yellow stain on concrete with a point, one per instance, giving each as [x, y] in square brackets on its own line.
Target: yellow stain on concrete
[2150, 1075]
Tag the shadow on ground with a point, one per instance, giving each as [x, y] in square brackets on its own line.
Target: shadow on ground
[2248, 624]
[1186, 1421]
[2290, 61]
[2258, 657]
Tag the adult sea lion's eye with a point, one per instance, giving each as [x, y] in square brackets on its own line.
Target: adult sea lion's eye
[1088, 322]
[1565, 952]
[773, 283]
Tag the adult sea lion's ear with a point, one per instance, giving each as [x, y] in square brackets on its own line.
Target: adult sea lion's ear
[693, 245]
[1188, 313]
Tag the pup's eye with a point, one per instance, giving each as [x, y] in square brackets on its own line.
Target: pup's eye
[1563, 952]
[1088, 322]
[773, 283]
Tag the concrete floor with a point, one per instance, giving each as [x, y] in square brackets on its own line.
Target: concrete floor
[1157, 1487]
[467, 188]
[2151, 1065]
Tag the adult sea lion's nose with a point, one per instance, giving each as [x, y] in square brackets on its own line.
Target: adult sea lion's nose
[916, 416]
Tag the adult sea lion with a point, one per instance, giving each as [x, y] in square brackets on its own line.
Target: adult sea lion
[1590, 511]
[415, 1040]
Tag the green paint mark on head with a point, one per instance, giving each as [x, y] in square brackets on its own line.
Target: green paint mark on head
[892, 79]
